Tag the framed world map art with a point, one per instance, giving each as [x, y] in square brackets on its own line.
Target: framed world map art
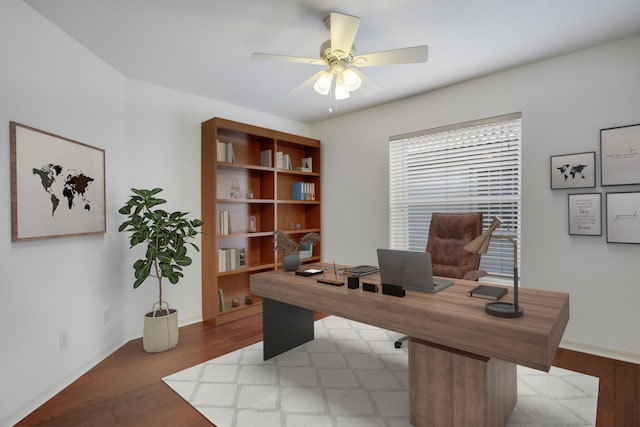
[573, 170]
[57, 186]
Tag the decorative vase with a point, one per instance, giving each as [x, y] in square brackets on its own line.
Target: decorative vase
[291, 262]
[160, 330]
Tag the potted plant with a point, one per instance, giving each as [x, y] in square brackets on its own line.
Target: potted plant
[290, 250]
[166, 236]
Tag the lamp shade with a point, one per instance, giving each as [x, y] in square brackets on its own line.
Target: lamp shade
[323, 84]
[341, 89]
[351, 79]
[480, 245]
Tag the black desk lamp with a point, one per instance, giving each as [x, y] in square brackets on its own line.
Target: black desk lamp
[480, 245]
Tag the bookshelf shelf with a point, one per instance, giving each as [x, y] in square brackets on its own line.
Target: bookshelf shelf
[250, 190]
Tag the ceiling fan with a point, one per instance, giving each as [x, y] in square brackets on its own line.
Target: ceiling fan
[338, 54]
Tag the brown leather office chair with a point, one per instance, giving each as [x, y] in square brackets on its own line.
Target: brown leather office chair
[448, 234]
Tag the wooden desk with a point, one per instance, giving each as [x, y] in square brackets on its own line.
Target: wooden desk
[462, 362]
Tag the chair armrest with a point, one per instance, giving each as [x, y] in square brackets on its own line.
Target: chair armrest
[474, 275]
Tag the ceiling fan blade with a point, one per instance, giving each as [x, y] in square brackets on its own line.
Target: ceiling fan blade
[343, 32]
[286, 58]
[407, 55]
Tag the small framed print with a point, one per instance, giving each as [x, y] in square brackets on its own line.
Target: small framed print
[573, 170]
[623, 217]
[585, 214]
[620, 155]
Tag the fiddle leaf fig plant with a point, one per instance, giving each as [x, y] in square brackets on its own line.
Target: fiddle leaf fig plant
[166, 235]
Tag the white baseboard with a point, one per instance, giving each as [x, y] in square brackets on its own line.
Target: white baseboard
[596, 350]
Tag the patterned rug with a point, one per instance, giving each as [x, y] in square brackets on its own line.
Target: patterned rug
[352, 376]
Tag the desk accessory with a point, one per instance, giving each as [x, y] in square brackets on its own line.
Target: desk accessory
[361, 270]
[309, 272]
[335, 282]
[353, 280]
[393, 290]
[369, 287]
[480, 245]
[488, 292]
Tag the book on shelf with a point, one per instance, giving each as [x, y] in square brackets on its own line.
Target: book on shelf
[225, 152]
[283, 161]
[224, 223]
[488, 292]
[303, 191]
[230, 259]
[221, 293]
[265, 158]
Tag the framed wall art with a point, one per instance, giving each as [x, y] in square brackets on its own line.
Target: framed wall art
[57, 186]
[620, 155]
[573, 170]
[585, 214]
[623, 217]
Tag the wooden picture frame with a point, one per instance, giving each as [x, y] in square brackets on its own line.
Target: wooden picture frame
[623, 217]
[585, 214]
[57, 186]
[573, 170]
[620, 155]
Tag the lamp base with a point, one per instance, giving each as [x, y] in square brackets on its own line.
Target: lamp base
[503, 309]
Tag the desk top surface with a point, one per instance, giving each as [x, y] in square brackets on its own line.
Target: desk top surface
[450, 317]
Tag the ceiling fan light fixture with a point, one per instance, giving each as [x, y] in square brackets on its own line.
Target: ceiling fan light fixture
[351, 79]
[341, 91]
[323, 84]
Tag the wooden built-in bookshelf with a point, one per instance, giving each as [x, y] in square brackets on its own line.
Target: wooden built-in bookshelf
[265, 194]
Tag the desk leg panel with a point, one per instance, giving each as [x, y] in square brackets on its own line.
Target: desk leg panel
[448, 387]
[285, 326]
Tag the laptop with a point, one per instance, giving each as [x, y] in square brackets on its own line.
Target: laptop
[409, 269]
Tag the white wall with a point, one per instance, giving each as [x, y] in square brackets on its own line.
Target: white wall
[564, 102]
[151, 137]
[163, 150]
[50, 82]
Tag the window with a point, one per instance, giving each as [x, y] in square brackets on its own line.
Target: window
[468, 167]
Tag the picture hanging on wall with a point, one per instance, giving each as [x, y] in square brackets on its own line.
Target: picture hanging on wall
[57, 186]
[620, 155]
[585, 214]
[623, 217]
[573, 170]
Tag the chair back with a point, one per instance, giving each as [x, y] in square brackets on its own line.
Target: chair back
[448, 234]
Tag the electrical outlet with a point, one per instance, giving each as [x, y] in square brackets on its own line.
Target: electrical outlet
[107, 316]
[64, 340]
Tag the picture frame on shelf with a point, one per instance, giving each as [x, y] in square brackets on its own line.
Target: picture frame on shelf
[57, 186]
[585, 214]
[620, 155]
[623, 217]
[573, 170]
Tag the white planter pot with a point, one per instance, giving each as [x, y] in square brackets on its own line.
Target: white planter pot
[160, 332]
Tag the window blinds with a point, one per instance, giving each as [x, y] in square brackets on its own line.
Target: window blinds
[468, 167]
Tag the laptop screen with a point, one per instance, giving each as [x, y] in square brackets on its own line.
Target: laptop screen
[409, 269]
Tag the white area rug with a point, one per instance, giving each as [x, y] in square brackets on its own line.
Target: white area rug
[352, 376]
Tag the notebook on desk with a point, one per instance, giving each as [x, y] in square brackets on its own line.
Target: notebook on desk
[409, 269]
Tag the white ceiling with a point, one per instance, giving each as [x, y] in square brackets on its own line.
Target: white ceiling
[204, 46]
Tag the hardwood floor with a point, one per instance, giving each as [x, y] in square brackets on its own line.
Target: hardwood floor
[126, 388]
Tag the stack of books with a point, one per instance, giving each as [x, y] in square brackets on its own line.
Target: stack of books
[224, 225]
[230, 259]
[303, 191]
[225, 152]
[283, 161]
[265, 158]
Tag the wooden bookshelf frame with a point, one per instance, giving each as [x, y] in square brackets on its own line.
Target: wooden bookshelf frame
[265, 193]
